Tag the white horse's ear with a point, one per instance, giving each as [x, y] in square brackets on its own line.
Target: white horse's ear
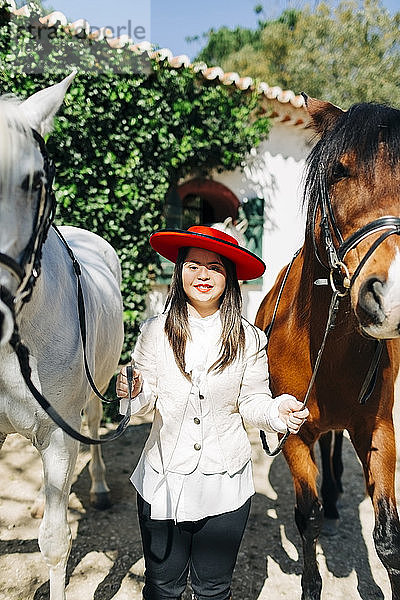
[41, 108]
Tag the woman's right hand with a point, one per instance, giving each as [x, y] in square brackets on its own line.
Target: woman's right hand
[122, 383]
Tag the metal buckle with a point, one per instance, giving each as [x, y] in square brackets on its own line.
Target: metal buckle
[346, 282]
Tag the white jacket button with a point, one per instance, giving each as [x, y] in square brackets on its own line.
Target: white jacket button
[197, 446]
[197, 420]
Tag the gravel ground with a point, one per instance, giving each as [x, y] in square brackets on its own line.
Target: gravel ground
[106, 560]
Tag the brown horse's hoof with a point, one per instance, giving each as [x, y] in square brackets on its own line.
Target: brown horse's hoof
[100, 501]
[330, 527]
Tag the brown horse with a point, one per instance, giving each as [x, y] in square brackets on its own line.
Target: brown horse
[333, 318]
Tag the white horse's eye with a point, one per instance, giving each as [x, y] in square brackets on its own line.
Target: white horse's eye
[33, 183]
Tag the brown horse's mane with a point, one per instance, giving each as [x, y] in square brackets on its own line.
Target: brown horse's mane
[359, 131]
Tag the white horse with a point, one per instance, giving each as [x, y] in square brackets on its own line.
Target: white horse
[48, 322]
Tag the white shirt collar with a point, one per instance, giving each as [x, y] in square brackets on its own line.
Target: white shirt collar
[209, 321]
[205, 332]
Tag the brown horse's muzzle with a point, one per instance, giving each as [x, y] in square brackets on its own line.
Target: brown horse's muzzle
[378, 307]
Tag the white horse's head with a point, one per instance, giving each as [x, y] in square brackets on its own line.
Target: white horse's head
[21, 185]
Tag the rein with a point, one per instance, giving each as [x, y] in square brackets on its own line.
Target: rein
[333, 308]
[26, 271]
[340, 282]
[22, 353]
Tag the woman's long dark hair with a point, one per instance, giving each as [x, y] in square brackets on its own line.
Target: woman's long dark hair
[232, 338]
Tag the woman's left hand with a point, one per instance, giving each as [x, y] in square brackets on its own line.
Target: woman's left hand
[292, 413]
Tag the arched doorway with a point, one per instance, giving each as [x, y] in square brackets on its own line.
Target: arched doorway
[200, 202]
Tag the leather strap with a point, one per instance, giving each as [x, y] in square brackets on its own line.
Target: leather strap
[22, 353]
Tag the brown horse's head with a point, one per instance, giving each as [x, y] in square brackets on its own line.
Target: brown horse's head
[353, 179]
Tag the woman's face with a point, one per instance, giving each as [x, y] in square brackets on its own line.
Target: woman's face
[204, 279]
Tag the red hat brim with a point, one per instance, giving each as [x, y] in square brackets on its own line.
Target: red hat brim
[168, 242]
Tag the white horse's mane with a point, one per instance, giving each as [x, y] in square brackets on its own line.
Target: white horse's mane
[16, 140]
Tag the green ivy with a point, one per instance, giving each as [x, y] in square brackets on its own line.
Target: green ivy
[129, 129]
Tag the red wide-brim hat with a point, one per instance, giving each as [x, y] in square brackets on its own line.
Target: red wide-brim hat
[167, 242]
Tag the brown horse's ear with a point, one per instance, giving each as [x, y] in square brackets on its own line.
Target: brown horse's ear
[324, 115]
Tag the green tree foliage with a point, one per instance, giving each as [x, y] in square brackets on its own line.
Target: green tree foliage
[223, 43]
[127, 131]
[346, 54]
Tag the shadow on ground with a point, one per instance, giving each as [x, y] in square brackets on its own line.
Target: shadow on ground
[271, 536]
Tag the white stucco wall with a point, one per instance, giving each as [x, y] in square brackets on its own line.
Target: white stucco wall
[274, 172]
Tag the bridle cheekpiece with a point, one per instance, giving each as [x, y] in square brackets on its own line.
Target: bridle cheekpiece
[26, 270]
[339, 277]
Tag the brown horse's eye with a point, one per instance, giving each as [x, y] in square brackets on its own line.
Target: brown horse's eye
[339, 171]
[32, 183]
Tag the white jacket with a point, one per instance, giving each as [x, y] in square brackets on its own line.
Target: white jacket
[240, 393]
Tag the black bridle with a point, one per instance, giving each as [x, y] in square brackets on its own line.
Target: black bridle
[340, 281]
[26, 271]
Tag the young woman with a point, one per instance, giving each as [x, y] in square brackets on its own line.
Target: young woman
[202, 369]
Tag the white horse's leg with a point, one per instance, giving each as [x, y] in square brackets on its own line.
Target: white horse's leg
[99, 490]
[55, 539]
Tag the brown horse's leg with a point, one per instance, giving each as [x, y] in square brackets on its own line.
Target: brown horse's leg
[308, 511]
[379, 462]
[337, 461]
[332, 468]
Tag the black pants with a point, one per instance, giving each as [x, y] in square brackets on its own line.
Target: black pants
[207, 549]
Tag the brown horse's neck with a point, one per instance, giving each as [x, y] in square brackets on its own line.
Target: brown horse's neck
[311, 270]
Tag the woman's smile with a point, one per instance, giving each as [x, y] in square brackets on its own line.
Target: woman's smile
[203, 287]
[204, 280]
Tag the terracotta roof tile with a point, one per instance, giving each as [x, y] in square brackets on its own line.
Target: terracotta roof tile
[22, 12]
[120, 42]
[212, 72]
[179, 61]
[245, 83]
[229, 78]
[53, 18]
[282, 105]
[100, 34]
[161, 54]
[142, 47]
[79, 26]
